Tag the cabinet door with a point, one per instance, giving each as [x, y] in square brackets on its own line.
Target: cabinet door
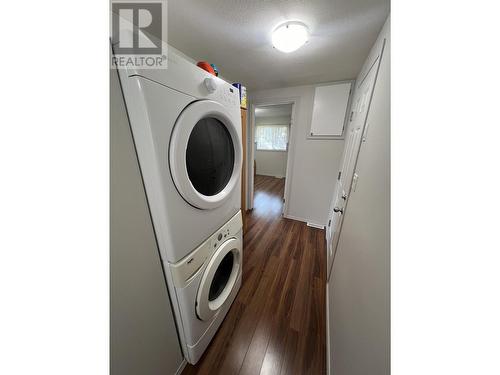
[330, 110]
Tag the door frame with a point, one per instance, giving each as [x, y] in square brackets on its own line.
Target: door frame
[294, 101]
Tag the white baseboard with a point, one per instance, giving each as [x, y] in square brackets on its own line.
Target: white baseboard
[309, 223]
[295, 218]
[328, 359]
[269, 175]
[314, 225]
[181, 367]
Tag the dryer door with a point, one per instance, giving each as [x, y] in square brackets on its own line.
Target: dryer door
[205, 154]
[219, 279]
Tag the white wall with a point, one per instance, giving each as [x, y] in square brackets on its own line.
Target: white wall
[272, 163]
[314, 162]
[143, 333]
[359, 286]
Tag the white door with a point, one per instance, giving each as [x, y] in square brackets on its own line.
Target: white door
[205, 154]
[355, 128]
[219, 278]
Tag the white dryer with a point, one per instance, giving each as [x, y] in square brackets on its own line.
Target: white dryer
[187, 131]
[186, 126]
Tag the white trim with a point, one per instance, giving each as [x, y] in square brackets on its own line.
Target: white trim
[314, 225]
[328, 357]
[181, 366]
[270, 175]
[295, 102]
[295, 218]
[309, 223]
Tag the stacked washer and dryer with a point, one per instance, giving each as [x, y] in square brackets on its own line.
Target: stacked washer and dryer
[186, 127]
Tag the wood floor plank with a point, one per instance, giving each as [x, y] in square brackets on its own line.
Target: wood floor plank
[238, 347]
[262, 334]
[290, 352]
[303, 288]
[277, 322]
[278, 332]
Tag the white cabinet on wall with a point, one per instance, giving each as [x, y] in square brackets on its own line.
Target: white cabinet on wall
[330, 110]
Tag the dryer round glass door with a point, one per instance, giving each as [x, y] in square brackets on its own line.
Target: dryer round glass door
[205, 154]
[219, 279]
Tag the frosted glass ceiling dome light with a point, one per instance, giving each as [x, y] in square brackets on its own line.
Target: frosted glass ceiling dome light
[290, 36]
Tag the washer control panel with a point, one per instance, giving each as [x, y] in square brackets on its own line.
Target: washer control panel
[222, 236]
[183, 270]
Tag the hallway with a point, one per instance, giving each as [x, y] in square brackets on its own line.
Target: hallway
[268, 197]
[276, 325]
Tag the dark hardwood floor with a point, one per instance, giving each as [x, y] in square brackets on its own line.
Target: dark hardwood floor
[276, 324]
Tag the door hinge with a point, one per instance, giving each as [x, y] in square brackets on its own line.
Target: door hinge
[365, 132]
[340, 174]
[329, 222]
[350, 117]
[354, 182]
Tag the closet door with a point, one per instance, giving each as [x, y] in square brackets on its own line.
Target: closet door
[355, 129]
[358, 291]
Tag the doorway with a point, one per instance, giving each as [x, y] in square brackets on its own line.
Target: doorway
[271, 133]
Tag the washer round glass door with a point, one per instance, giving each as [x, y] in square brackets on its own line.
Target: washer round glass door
[219, 279]
[205, 154]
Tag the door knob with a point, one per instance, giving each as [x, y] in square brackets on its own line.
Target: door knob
[336, 209]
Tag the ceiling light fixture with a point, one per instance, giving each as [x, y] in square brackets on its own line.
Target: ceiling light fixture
[290, 36]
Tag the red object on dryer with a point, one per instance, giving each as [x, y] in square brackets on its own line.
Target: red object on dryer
[206, 66]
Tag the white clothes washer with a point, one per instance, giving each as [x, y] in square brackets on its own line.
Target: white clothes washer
[186, 125]
[206, 284]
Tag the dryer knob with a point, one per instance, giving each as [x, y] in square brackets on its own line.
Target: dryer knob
[210, 84]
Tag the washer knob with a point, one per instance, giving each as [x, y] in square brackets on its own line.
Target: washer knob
[210, 84]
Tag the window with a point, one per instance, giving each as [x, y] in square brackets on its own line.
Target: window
[271, 137]
[210, 156]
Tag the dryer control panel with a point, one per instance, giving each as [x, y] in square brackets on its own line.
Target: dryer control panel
[223, 92]
[187, 267]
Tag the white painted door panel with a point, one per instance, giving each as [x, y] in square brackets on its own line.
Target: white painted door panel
[329, 109]
[342, 191]
[355, 130]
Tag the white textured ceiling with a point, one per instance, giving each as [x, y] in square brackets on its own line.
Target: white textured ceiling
[273, 111]
[236, 36]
